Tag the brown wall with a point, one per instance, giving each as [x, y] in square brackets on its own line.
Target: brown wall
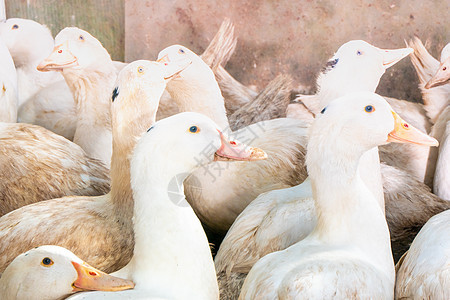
[286, 36]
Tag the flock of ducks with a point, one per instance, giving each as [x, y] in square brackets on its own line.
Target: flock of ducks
[126, 165]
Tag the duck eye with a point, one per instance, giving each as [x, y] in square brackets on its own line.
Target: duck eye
[181, 50]
[444, 68]
[140, 69]
[81, 38]
[47, 262]
[358, 52]
[194, 129]
[369, 108]
[15, 26]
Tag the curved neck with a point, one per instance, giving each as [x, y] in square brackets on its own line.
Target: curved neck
[348, 213]
[132, 114]
[171, 248]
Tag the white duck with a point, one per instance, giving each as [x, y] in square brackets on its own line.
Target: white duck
[8, 86]
[195, 89]
[348, 254]
[424, 271]
[51, 273]
[434, 77]
[172, 259]
[99, 229]
[90, 74]
[280, 218]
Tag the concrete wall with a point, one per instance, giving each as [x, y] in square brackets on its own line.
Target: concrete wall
[295, 37]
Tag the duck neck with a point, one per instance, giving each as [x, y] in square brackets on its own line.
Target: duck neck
[130, 119]
[171, 248]
[201, 97]
[348, 213]
[436, 101]
[92, 94]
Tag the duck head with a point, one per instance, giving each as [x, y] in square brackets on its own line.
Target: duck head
[366, 120]
[52, 272]
[189, 140]
[27, 40]
[358, 66]
[442, 75]
[76, 51]
[197, 73]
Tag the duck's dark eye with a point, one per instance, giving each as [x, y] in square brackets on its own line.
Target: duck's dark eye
[81, 38]
[323, 110]
[181, 50]
[140, 69]
[444, 68]
[46, 262]
[193, 129]
[369, 108]
[15, 26]
[358, 52]
[115, 93]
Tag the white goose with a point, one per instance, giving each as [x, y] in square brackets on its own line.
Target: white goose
[424, 271]
[195, 89]
[348, 254]
[8, 86]
[51, 273]
[99, 229]
[172, 259]
[90, 74]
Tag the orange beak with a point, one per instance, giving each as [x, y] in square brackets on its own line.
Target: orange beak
[91, 279]
[60, 58]
[234, 150]
[405, 133]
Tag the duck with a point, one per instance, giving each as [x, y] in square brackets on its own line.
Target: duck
[433, 83]
[423, 271]
[52, 272]
[90, 74]
[172, 259]
[37, 164]
[195, 89]
[45, 99]
[8, 81]
[348, 253]
[99, 229]
[254, 233]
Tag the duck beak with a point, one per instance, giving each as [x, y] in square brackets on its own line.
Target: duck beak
[405, 133]
[91, 279]
[442, 75]
[234, 150]
[60, 58]
[175, 68]
[391, 57]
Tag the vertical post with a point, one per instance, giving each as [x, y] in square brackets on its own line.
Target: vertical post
[2, 10]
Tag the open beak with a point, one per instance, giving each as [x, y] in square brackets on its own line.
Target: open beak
[442, 75]
[91, 279]
[234, 150]
[405, 133]
[60, 58]
[391, 57]
[173, 68]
